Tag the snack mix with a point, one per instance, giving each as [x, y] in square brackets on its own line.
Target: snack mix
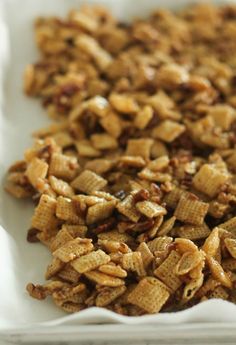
[134, 181]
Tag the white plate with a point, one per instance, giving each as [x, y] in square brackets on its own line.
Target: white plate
[23, 318]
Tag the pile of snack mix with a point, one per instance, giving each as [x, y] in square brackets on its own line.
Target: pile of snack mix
[135, 180]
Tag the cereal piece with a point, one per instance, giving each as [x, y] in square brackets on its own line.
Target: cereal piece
[150, 209]
[146, 254]
[133, 262]
[63, 167]
[217, 272]
[150, 294]
[36, 171]
[116, 257]
[69, 274]
[167, 226]
[63, 139]
[66, 210]
[44, 217]
[193, 232]
[172, 198]
[218, 141]
[99, 166]
[73, 249]
[161, 103]
[229, 225]
[46, 237]
[83, 201]
[115, 235]
[61, 187]
[223, 115]
[168, 131]
[230, 244]
[166, 271]
[132, 161]
[92, 48]
[158, 149]
[191, 210]
[192, 287]
[229, 264]
[159, 164]
[85, 149]
[153, 231]
[69, 293]
[83, 20]
[98, 105]
[61, 238]
[184, 245]
[212, 243]
[104, 141]
[51, 130]
[209, 180]
[68, 307]
[104, 279]
[139, 147]
[90, 261]
[127, 208]
[188, 261]
[112, 124]
[105, 195]
[113, 270]
[54, 268]
[150, 175]
[75, 230]
[208, 286]
[123, 103]
[108, 295]
[171, 75]
[159, 243]
[143, 117]
[100, 211]
[89, 182]
[219, 292]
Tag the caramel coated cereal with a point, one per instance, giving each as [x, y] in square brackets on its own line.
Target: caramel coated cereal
[134, 180]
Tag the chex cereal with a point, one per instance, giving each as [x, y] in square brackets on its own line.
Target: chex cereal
[134, 181]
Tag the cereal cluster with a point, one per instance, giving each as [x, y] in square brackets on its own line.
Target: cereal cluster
[134, 181]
